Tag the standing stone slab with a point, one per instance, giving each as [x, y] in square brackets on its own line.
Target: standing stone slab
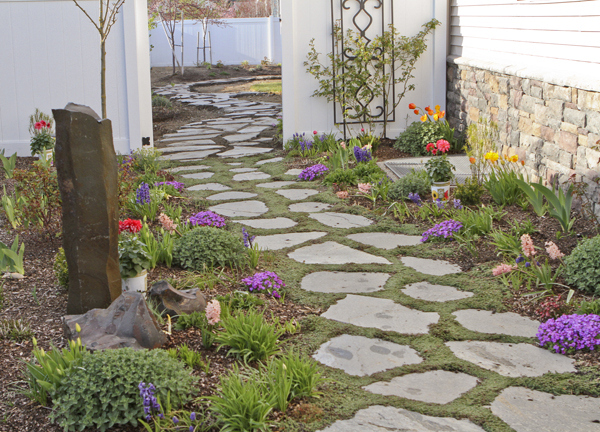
[508, 323]
[431, 267]
[379, 313]
[341, 220]
[342, 282]
[386, 241]
[297, 194]
[389, 419]
[309, 207]
[86, 166]
[240, 209]
[275, 223]
[527, 410]
[334, 253]
[512, 360]
[282, 241]
[360, 356]
[436, 293]
[439, 387]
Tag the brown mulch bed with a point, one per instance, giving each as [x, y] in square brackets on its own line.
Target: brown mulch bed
[164, 75]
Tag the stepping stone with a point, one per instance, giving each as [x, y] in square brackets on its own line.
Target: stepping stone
[199, 176]
[334, 253]
[530, 410]
[189, 148]
[436, 293]
[378, 418]
[241, 209]
[251, 176]
[439, 387]
[385, 240]
[379, 313]
[507, 323]
[262, 162]
[200, 137]
[239, 137]
[361, 356]
[188, 168]
[431, 267]
[512, 360]
[188, 155]
[209, 187]
[243, 170]
[234, 163]
[282, 241]
[242, 151]
[275, 184]
[342, 282]
[225, 196]
[341, 220]
[229, 128]
[308, 207]
[276, 223]
[253, 129]
[297, 194]
[294, 172]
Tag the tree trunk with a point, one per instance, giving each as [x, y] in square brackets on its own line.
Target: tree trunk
[103, 76]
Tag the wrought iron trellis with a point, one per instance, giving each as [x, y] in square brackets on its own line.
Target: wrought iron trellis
[347, 12]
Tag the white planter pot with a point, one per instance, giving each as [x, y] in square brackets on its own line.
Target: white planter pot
[138, 283]
[46, 154]
[440, 190]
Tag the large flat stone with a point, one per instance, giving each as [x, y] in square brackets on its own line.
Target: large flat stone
[188, 155]
[186, 137]
[293, 172]
[308, 207]
[189, 148]
[189, 168]
[389, 419]
[241, 209]
[251, 176]
[198, 176]
[275, 223]
[342, 282]
[439, 387]
[431, 267]
[297, 194]
[242, 170]
[360, 356]
[275, 184]
[512, 360]
[379, 313]
[341, 220]
[436, 293]
[507, 323]
[527, 410]
[282, 241]
[386, 241]
[209, 187]
[242, 151]
[239, 137]
[253, 129]
[233, 195]
[334, 253]
[272, 160]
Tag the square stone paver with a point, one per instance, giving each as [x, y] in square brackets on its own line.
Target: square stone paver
[343, 282]
[431, 267]
[297, 194]
[436, 293]
[282, 241]
[240, 209]
[334, 253]
[386, 241]
[360, 356]
[275, 223]
[341, 220]
[507, 323]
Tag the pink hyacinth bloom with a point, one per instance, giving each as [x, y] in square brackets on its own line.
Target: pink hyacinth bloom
[342, 194]
[527, 245]
[213, 312]
[553, 251]
[502, 268]
[364, 188]
[167, 223]
[443, 145]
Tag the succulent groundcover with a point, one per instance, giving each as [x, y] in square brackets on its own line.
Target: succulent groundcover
[570, 333]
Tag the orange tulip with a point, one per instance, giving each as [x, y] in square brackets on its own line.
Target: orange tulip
[412, 106]
[427, 108]
[437, 108]
[417, 112]
[523, 162]
[443, 114]
[472, 159]
[423, 118]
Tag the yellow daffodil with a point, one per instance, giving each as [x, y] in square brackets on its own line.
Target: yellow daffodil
[514, 158]
[436, 117]
[491, 156]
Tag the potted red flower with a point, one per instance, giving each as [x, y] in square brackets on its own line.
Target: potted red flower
[439, 169]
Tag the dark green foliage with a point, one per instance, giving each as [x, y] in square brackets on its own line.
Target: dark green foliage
[104, 392]
[208, 247]
[368, 172]
[195, 319]
[239, 300]
[341, 177]
[416, 136]
[416, 181]
[133, 259]
[591, 307]
[304, 374]
[470, 192]
[61, 271]
[582, 267]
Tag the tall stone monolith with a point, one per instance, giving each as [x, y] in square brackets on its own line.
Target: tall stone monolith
[87, 167]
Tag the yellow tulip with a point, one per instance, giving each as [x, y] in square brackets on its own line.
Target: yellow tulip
[77, 328]
[424, 118]
[514, 158]
[436, 117]
[437, 108]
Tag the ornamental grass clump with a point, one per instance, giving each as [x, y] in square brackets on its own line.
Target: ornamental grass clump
[445, 229]
[570, 333]
[312, 172]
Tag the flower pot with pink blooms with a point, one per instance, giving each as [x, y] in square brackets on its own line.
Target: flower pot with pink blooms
[42, 141]
[439, 169]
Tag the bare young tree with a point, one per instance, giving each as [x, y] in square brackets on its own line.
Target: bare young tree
[107, 18]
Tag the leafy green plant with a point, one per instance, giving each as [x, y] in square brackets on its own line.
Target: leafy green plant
[61, 269]
[368, 172]
[190, 357]
[161, 101]
[478, 222]
[8, 164]
[11, 207]
[534, 196]
[239, 300]
[11, 259]
[416, 181]
[15, 329]
[195, 319]
[582, 267]
[207, 247]
[341, 177]
[103, 392]
[416, 137]
[133, 259]
[560, 204]
[304, 374]
[469, 192]
[146, 160]
[149, 244]
[591, 307]
[507, 245]
[439, 169]
[503, 187]
[249, 337]
[481, 140]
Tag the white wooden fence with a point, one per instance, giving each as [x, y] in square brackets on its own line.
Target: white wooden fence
[238, 39]
[303, 20]
[50, 56]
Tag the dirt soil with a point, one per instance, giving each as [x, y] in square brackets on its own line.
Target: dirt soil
[164, 75]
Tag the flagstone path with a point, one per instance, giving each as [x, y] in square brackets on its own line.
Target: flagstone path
[360, 301]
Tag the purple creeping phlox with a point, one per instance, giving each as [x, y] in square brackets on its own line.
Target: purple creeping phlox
[570, 333]
[151, 405]
[312, 172]
[362, 155]
[142, 195]
[264, 281]
[177, 185]
[414, 197]
[247, 238]
[444, 229]
[207, 218]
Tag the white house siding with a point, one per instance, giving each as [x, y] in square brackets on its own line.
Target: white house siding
[50, 56]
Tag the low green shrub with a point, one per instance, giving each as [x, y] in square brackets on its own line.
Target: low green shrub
[416, 181]
[368, 172]
[103, 392]
[61, 270]
[469, 192]
[208, 247]
[161, 101]
[582, 267]
[341, 177]
[591, 307]
[416, 137]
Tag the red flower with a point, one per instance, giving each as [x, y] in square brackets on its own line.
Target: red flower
[411, 106]
[362, 130]
[430, 147]
[130, 225]
[37, 125]
[43, 123]
[417, 112]
[443, 146]
[315, 132]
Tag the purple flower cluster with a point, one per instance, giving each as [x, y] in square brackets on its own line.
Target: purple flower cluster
[440, 204]
[414, 197]
[444, 229]
[142, 195]
[305, 145]
[177, 185]
[207, 218]
[151, 405]
[570, 333]
[247, 239]
[264, 281]
[313, 172]
[457, 204]
[362, 155]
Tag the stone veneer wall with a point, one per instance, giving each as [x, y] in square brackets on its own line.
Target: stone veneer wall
[555, 129]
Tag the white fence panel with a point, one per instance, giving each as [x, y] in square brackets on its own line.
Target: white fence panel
[50, 56]
[239, 39]
[303, 20]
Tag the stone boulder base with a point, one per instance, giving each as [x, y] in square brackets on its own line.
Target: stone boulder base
[127, 323]
[175, 302]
